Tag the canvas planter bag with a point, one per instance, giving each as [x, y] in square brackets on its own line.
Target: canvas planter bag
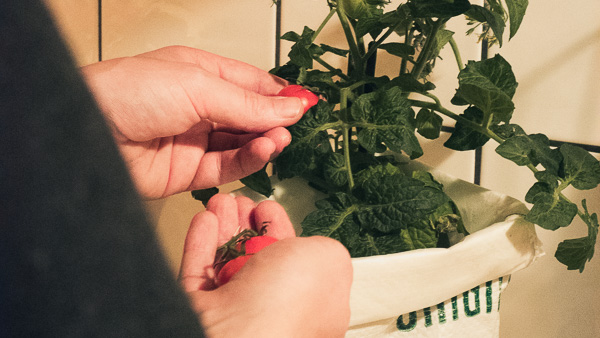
[433, 292]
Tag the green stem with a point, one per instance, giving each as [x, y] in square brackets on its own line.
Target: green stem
[407, 40]
[331, 68]
[425, 53]
[346, 136]
[456, 52]
[325, 21]
[381, 40]
[354, 51]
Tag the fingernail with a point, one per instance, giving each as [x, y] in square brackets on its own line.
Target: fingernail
[293, 110]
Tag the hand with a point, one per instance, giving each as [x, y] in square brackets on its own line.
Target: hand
[186, 119]
[295, 287]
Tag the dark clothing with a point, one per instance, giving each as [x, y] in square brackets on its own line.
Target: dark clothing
[78, 256]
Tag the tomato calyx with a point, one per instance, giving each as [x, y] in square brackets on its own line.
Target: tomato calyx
[236, 246]
[234, 254]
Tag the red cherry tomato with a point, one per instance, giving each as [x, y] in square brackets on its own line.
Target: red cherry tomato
[255, 244]
[300, 92]
[231, 268]
[251, 246]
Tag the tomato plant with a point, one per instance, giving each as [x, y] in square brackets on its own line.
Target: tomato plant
[372, 206]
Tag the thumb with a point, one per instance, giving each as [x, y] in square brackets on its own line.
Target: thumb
[231, 106]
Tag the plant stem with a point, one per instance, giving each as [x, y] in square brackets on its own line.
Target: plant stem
[381, 40]
[456, 52]
[407, 40]
[424, 56]
[355, 53]
[331, 68]
[346, 136]
[325, 21]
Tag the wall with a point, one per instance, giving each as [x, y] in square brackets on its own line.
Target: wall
[554, 56]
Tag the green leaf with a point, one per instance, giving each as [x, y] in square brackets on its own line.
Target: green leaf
[574, 253]
[388, 212]
[415, 238]
[370, 25]
[441, 39]
[516, 12]
[446, 217]
[398, 49]
[303, 50]
[259, 182]
[580, 168]
[550, 211]
[437, 8]
[392, 200]
[288, 71]
[491, 17]
[386, 116]
[429, 124]
[203, 195]
[489, 85]
[539, 188]
[358, 9]
[408, 83]
[310, 141]
[334, 50]
[464, 137]
[334, 169]
[531, 149]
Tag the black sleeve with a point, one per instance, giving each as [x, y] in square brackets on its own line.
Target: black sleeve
[78, 256]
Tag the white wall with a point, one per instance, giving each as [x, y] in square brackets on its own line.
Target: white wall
[555, 57]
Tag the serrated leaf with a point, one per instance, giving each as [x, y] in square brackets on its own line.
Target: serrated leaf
[464, 137]
[429, 124]
[580, 168]
[393, 201]
[259, 182]
[310, 141]
[437, 8]
[516, 12]
[494, 20]
[574, 253]
[551, 212]
[414, 238]
[531, 149]
[489, 85]
[386, 116]
[203, 195]
[334, 169]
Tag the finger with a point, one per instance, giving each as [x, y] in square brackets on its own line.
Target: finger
[237, 72]
[220, 167]
[225, 209]
[281, 137]
[197, 271]
[273, 215]
[245, 212]
[220, 141]
[227, 104]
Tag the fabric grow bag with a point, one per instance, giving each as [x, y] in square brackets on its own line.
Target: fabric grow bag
[433, 292]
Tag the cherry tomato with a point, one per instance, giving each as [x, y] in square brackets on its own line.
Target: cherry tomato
[301, 92]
